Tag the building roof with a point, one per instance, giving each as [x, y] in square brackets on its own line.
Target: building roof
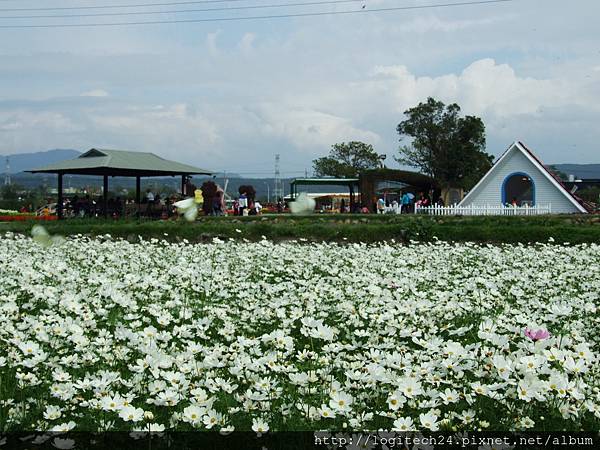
[120, 163]
[330, 181]
[557, 182]
[323, 194]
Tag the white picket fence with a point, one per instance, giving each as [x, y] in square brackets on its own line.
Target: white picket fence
[487, 210]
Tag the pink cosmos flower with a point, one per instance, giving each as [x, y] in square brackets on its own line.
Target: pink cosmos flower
[537, 335]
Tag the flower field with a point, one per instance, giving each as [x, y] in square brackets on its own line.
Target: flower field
[104, 334]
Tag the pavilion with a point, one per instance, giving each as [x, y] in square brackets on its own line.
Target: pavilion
[112, 163]
[350, 183]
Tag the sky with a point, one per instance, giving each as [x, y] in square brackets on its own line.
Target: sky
[229, 95]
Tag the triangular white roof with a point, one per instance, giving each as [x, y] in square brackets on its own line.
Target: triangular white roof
[518, 146]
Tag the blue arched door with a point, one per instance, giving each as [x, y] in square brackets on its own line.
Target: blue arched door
[518, 188]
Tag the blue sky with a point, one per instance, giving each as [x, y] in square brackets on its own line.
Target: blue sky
[229, 95]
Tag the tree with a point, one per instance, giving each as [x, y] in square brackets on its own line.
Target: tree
[444, 145]
[347, 160]
[249, 191]
[10, 191]
[209, 192]
[590, 194]
[559, 173]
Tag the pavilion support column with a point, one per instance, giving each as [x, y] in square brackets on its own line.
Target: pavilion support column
[105, 196]
[59, 204]
[351, 199]
[183, 177]
[137, 195]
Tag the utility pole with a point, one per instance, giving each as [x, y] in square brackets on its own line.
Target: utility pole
[7, 173]
[278, 188]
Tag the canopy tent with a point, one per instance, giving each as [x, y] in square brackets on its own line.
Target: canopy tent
[118, 163]
[351, 183]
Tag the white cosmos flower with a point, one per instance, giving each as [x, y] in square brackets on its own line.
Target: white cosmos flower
[324, 332]
[259, 426]
[29, 348]
[573, 366]
[212, 418]
[395, 400]
[185, 204]
[341, 401]
[404, 424]
[110, 403]
[131, 414]
[326, 413]
[410, 387]
[246, 329]
[52, 412]
[193, 414]
[63, 427]
[303, 204]
[429, 421]
[449, 396]
[190, 214]
[188, 208]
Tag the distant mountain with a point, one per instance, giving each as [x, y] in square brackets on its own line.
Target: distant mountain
[582, 171]
[27, 161]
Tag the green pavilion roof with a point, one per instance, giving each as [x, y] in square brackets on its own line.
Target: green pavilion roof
[120, 163]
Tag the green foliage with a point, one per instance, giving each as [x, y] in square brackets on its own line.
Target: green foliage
[591, 194]
[248, 190]
[340, 228]
[10, 191]
[444, 145]
[347, 160]
[559, 173]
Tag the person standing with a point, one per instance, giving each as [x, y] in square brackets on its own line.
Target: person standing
[149, 202]
[243, 203]
[380, 206]
[405, 203]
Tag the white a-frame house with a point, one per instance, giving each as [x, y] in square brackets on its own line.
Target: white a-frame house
[519, 177]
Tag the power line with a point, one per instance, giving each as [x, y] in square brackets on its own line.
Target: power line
[139, 5]
[229, 8]
[275, 16]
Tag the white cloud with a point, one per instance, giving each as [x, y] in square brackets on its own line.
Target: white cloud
[434, 23]
[483, 88]
[308, 120]
[94, 93]
[247, 42]
[211, 43]
[308, 129]
[305, 84]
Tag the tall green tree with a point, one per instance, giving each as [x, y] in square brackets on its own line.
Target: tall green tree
[444, 145]
[10, 191]
[347, 160]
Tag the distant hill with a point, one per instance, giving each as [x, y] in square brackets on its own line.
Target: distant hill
[581, 171]
[27, 161]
